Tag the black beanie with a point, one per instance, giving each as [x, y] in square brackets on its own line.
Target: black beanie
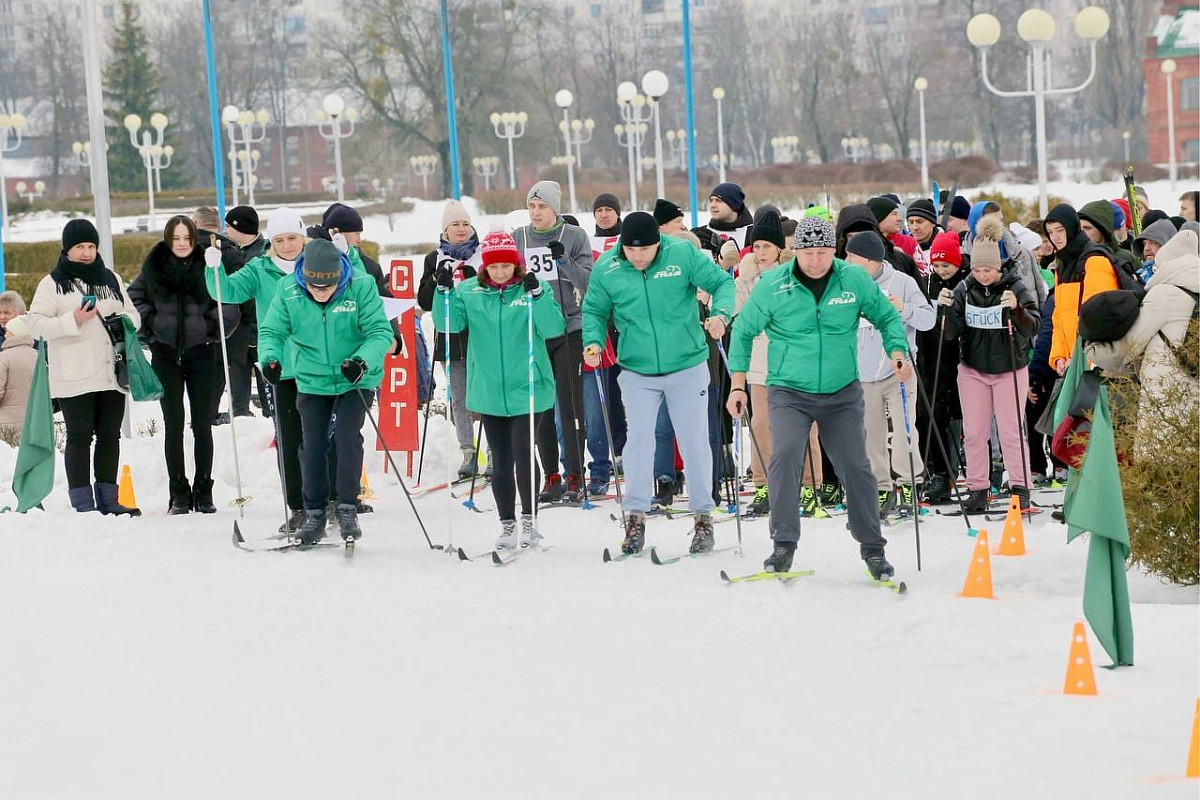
[343, 218]
[731, 194]
[768, 227]
[960, 207]
[243, 219]
[866, 244]
[1153, 216]
[639, 230]
[881, 207]
[665, 211]
[924, 209]
[78, 231]
[607, 200]
[322, 263]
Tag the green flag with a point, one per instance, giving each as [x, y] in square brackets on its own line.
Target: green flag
[1093, 504]
[34, 475]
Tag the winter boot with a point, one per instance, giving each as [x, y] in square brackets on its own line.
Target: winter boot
[552, 490]
[573, 492]
[780, 559]
[887, 503]
[347, 517]
[976, 502]
[82, 499]
[106, 501]
[760, 506]
[507, 540]
[1023, 493]
[937, 489]
[529, 532]
[202, 499]
[468, 467]
[363, 508]
[832, 495]
[313, 529]
[664, 493]
[181, 498]
[810, 505]
[598, 487]
[294, 523]
[880, 569]
[220, 419]
[702, 537]
[635, 533]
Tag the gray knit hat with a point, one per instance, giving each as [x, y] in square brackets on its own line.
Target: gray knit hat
[814, 232]
[549, 192]
[322, 263]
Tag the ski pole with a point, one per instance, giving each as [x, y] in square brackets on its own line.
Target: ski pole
[942, 446]
[470, 501]
[425, 428]
[737, 508]
[611, 452]
[287, 512]
[241, 500]
[937, 369]
[749, 428]
[1012, 354]
[575, 440]
[912, 471]
[812, 473]
[449, 461]
[396, 470]
[532, 414]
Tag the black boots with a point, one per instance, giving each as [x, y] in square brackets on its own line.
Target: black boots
[313, 529]
[106, 501]
[82, 499]
[347, 520]
[202, 499]
[181, 498]
[780, 559]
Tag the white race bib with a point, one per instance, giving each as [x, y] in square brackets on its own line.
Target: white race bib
[738, 235]
[600, 244]
[455, 266]
[985, 318]
[539, 262]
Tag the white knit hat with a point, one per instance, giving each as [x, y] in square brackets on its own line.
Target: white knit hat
[284, 220]
[454, 212]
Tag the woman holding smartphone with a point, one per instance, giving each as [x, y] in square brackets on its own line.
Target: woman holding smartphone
[77, 309]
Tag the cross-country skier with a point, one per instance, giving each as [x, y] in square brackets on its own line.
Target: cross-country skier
[810, 311]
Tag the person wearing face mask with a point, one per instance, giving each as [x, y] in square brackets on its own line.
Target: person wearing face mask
[259, 280]
[328, 320]
[179, 323]
[458, 251]
[77, 310]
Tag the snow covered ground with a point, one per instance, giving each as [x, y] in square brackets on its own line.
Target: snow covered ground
[148, 658]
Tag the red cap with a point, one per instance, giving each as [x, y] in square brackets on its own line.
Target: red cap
[499, 248]
[945, 248]
[1124, 204]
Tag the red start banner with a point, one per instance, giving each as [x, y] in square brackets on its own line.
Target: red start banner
[398, 393]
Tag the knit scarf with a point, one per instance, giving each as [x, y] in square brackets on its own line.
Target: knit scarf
[97, 279]
[460, 252]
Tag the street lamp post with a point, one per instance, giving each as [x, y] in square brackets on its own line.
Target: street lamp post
[677, 143]
[1036, 27]
[25, 193]
[150, 148]
[631, 136]
[785, 148]
[1125, 135]
[563, 99]
[237, 120]
[510, 125]
[719, 95]
[83, 153]
[1168, 69]
[486, 168]
[334, 111]
[855, 147]
[634, 111]
[424, 166]
[655, 85]
[11, 126]
[920, 84]
[581, 134]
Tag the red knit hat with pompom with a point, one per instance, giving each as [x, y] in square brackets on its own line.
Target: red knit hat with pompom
[499, 248]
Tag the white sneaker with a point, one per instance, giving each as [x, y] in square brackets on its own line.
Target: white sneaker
[508, 535]
[529, 532]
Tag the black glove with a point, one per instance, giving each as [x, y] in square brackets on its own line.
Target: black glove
[273, 372]
[531, 284]
[557, 250]
[353, 369]
[444, 277]
[318, 232]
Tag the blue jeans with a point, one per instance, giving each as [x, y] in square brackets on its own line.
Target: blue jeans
[600, 467]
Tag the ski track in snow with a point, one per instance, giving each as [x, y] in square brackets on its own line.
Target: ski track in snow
[162, 662]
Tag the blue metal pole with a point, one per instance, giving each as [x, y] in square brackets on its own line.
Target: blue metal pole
[214, 114]
[691, 110]
[451, 124]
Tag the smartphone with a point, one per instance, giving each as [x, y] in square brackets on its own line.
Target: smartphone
[88, 302]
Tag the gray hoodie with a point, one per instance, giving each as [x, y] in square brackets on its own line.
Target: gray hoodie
[574, 269]
[1027, 267]
[1160, 232]
[918, 315]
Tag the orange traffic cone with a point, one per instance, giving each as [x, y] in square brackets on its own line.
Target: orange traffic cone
[1012, 542]
[125, 494]
[979, 574]
[1193, 765]
[365, 492]
[1080, 678]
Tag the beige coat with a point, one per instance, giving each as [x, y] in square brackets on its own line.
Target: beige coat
[81, 357]
[748, 275]
[17, 360]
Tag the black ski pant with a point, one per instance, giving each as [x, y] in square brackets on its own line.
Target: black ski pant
[508, 439]
[283, 403]
[316, 412]
[566, 358]
[333, 452]
[94, 415]
[194, 372]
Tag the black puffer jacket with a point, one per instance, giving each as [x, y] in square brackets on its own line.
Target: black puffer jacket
[856, 218]
[927, 344]
[171, 296]
[986, 348]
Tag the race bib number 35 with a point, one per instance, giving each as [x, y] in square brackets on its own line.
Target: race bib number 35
[539, 261]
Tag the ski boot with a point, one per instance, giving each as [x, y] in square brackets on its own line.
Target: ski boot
[780, 559]
[702, 539]
[573, 489]
[313, 529]
[347, 520]
[905, 499]
[202, 499]
[507, 540]
[760, 506]
[664, 493]
[832, 495]
[467, 468]
[976, 502]
[887, 503]
[810, 504]
[1023, 493]
[879, 567]
[294, 522]
[529, 532]
[937, 489]
[552, 490]
[635, 534]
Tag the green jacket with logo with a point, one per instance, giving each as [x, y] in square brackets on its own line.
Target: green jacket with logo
[320, 337]
[498, 348]
[655, 309]
[813, 348]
